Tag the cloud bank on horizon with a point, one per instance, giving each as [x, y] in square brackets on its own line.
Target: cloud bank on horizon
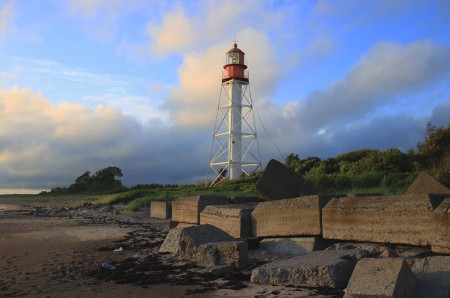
[135, 84]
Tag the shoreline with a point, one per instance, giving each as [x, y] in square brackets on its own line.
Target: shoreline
[61, 256]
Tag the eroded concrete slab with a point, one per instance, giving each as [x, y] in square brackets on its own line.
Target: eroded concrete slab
[385, 277]
[400, 219]
[231, 253]
[432, 275]
[289, 217]
[329, 269]
[280, 182]
[185, 241]
[440, 241]
[188, 209]
[162, 210]
[233, 219]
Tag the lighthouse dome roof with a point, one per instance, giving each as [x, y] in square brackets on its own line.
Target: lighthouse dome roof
[235, 49]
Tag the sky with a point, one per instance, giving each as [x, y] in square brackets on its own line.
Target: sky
[87, 84]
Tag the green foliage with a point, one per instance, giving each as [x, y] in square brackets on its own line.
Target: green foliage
[434, 151]
[103, 181]
[390, 170]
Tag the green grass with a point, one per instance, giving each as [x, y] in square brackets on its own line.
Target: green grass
[136, 199]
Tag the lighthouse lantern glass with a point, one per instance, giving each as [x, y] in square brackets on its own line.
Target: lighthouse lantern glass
[233, 58]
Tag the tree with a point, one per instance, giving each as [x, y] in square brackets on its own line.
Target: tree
[434, 151]
[104, 180]
[292, 161]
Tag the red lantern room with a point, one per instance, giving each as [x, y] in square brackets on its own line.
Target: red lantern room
[235, 66]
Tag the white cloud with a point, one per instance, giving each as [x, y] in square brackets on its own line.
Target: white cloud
[176, 33]
[44, 145]
[62, 83]
[387, 71]
[194, 101]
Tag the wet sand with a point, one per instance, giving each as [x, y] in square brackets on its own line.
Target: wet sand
[51, 254]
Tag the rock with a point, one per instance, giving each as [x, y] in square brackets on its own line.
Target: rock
[329, 269]
[433, 276]
[162, 210]
[373, 249]
[400, 219]
[389, 253]
[188, 209]
[233, 219]
[217, 270]
[388, 277]
[230, 253]
[106, 208]
[86, 204]
[289, 217]
[425, 184]
[280, 182]
[185, 241]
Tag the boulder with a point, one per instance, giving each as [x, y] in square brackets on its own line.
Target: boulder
[319, 269]
[425, 183]
[280, 182]
[386, 277]
[233, 219]
[400, 219]
[185, 241]
[440, 241]
[231, 253]
[188, 209]
[289, 217]
[162, 210]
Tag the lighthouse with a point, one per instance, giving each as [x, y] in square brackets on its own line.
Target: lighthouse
[232, 154]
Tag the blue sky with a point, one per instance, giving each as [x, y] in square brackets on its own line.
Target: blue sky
[135, 84]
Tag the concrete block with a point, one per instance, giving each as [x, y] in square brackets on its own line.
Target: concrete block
[440, 242]
[319, 269]
[188, 209]
[231, 253]
[432, 276]
[162, 210]
[386, 277]
[293, 246]
[425, 183]
[233, 219]
[185, 241]
[280, 182]
[401, 219]
[289, 217]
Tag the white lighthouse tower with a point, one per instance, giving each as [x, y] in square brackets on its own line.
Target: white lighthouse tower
[235, 131]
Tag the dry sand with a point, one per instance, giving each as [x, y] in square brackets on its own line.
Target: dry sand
[60, 255]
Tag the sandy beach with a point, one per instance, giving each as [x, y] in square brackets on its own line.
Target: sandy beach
[58, 252]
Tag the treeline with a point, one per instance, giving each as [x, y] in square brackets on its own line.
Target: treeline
[102, 182]
[389, 171]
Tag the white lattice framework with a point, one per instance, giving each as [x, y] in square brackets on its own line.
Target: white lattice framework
[235, 149]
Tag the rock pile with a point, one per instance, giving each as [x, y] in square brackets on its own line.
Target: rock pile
[292, 232]
[85, 208]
